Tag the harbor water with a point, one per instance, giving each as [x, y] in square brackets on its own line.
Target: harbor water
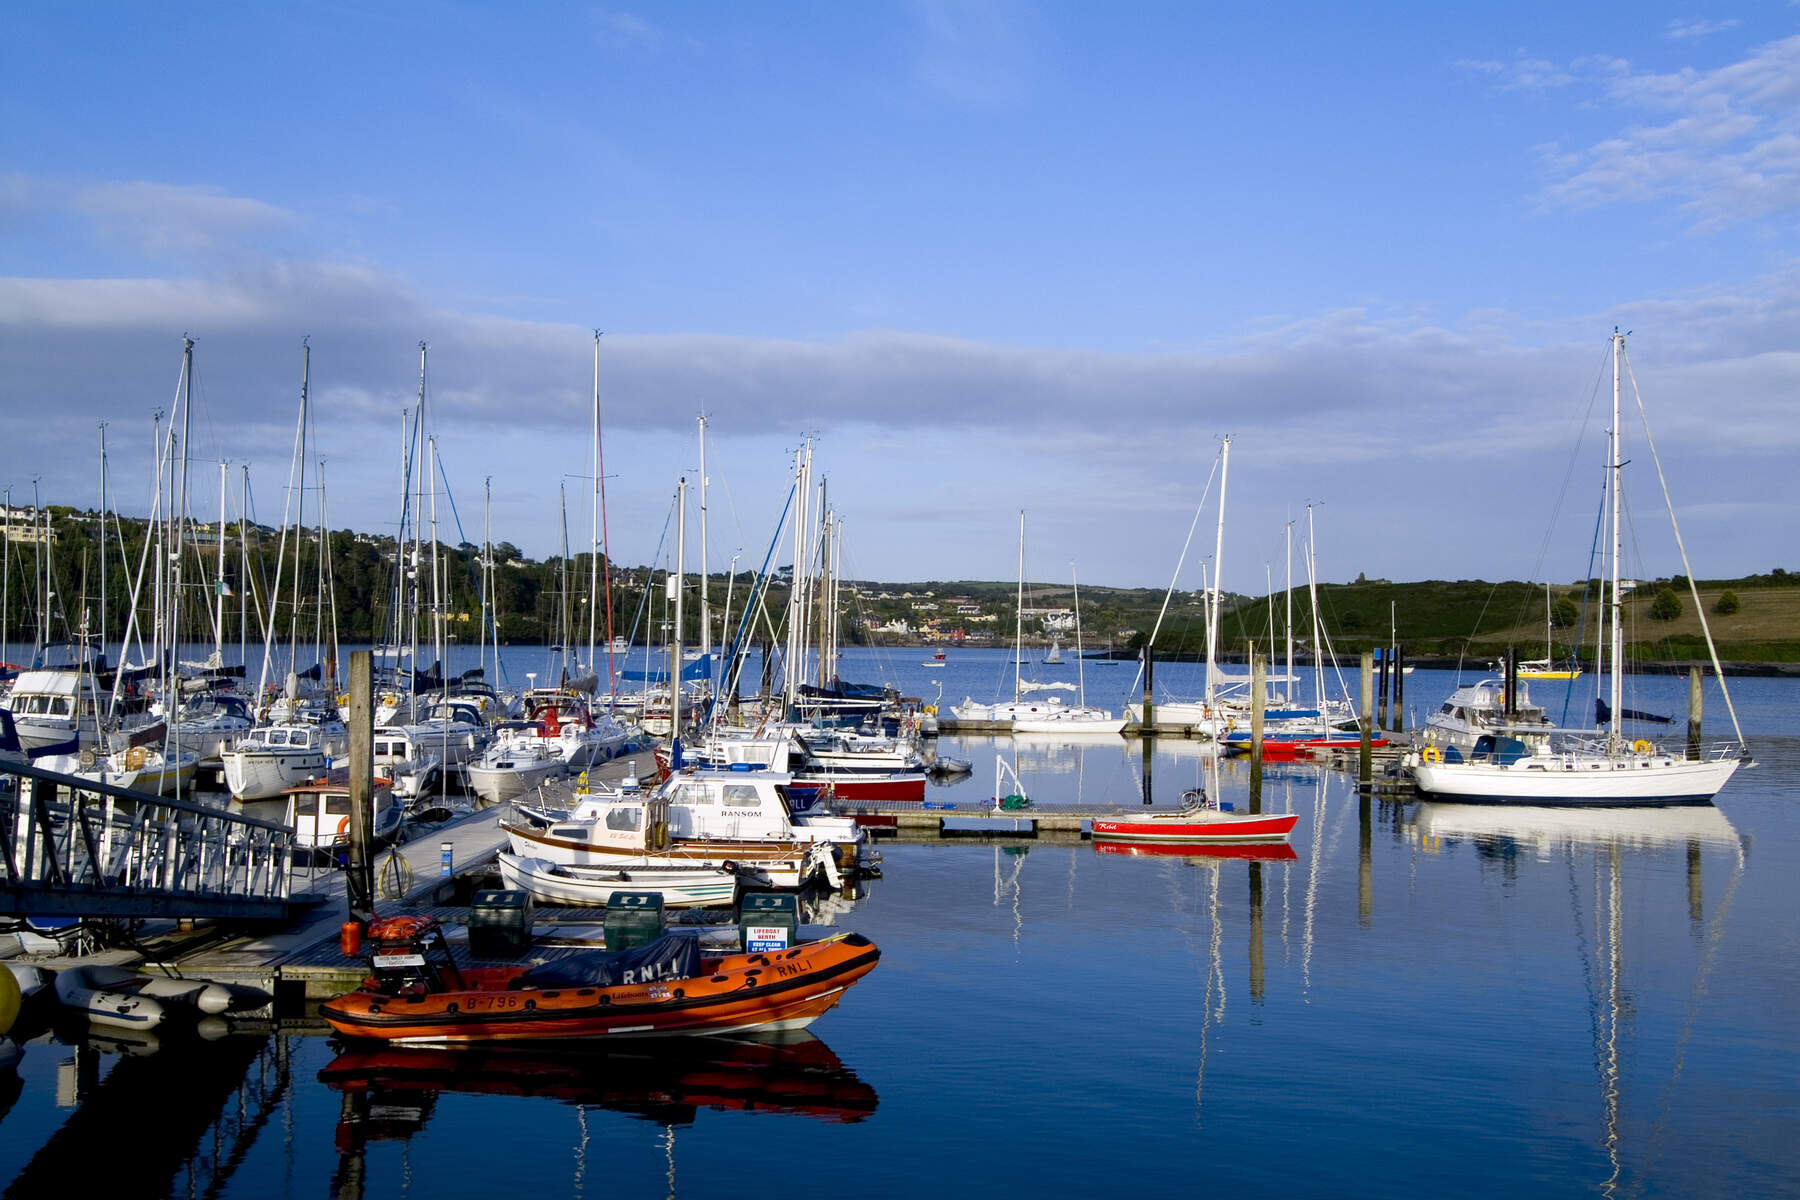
[1420, 999]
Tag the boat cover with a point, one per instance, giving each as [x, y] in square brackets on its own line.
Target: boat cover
[671, 956]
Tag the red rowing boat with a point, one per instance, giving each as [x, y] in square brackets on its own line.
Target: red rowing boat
[1195, 826]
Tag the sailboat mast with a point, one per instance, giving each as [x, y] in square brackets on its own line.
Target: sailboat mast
[219, 583]
[790, 670]
[1618, 632]
[1080, 674]
[705, 611]
[1287, 687]
[178, 516]
[594, 533]
[605, 548]
[1019, 611]
[1312, 592]
[299, 516]
[1212, 625]
[103, 644]
[676, 650]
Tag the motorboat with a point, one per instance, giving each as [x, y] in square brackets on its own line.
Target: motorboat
[522, 759]
[1481, 708]
[417, 993]
[319, 812]
[273, 758]
[696, 885]
[630, 827]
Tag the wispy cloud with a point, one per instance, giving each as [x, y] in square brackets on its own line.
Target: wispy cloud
[1726, 150]
[977, 53]
[615, 29]
[1680, 30]
[1523, 73]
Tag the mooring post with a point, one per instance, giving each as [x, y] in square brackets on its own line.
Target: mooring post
[359, 880]
[1693, 747]
[1365, 869]
[1258, 689]
[1381, 691]
[1399, 722]
[1256, 932]
[1366, 773]
[1149, 723]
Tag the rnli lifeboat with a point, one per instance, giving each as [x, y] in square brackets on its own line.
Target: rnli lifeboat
[417, 994]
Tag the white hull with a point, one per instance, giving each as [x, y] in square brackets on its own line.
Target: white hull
[1069, 725]
[681, 887]
[1578, 779]
[783, 867]
[265, 774]
[499, 784]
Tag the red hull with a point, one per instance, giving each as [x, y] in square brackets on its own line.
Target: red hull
[879, 789]
[1261, 851]
[1223, 828]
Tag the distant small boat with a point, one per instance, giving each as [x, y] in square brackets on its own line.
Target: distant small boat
[936, 660]
[1055, 656]
[1196, 822]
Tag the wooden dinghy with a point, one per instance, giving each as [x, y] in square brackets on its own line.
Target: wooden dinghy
[417, 993]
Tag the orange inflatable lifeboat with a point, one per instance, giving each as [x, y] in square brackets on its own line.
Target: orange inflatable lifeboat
[417, 994]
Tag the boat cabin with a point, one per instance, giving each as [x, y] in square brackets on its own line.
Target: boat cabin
[624, 822]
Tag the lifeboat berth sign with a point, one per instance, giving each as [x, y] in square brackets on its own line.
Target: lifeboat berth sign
[762, 938]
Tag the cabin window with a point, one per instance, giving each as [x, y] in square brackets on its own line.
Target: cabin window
[306, 806]
[278, 737]
[577, 833]
[624, 818]
[741, 795]
[692, 794]
[337, 806]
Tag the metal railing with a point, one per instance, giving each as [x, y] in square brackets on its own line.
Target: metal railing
[74, 846]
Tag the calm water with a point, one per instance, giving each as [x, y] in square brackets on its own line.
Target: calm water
[1423, 998]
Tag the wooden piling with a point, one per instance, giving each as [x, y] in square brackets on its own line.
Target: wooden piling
[1366, 755]
[359, 882]
[1149, 722]
[1694, 694]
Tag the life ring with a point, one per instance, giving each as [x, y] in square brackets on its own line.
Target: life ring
[1641, 747]
[659, 835]
[1431, 754]
[343, 826]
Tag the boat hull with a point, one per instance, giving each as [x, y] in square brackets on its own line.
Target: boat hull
[680, 887]
[1201, 829]
[1577, 781]
[265, 774]
[743, 992]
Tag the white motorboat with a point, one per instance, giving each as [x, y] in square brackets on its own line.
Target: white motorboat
[319, 812]
[521, 760]
[274, 758]
[1481, 708]
[696, 885]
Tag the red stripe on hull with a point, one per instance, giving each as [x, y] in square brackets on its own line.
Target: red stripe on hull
[887, 789]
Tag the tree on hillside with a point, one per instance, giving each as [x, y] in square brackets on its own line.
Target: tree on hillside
[1666, 606]
[1727, 603]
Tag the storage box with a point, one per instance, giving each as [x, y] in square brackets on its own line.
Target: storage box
[768, 921]
[499, 924]
[633, 919]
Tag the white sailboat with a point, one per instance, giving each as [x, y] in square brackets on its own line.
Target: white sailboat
[1599, 767]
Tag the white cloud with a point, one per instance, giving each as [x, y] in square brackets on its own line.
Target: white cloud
[1522, 74]
[1726, 150]
[617, 30]
[1679, 29]
[171, 221]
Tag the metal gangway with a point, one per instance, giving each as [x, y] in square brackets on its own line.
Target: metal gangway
[71, 846]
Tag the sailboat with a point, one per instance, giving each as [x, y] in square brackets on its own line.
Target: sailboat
[1596, 767]
[1548, 667]
[1034, 716]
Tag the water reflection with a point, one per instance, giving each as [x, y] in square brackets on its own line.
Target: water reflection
[390, 1092]
[178, 1104]
[1612, 838]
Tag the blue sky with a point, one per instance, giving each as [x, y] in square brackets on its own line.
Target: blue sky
[994, 255]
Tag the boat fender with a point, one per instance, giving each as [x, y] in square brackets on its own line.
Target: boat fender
[1641, 747]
